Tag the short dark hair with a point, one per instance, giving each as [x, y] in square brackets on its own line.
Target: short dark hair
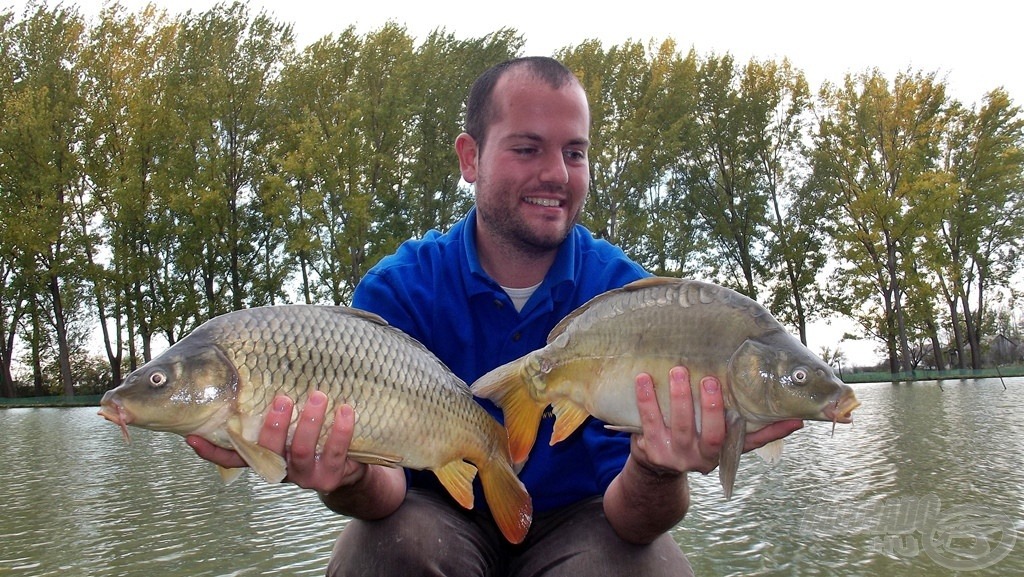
[480, 105]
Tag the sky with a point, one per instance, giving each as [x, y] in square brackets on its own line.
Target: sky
[974, 46]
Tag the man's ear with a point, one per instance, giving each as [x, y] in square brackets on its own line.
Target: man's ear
[468, 153]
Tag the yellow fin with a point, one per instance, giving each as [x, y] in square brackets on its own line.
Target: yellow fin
[507, 499]
[568, 417]
[265, 462]
[505, 387]
[375, 458]
[457, 477]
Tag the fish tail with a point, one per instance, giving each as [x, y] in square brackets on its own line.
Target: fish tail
[505, 387]
[507, 498]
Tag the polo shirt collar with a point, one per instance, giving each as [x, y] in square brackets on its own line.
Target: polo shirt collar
[560, 278]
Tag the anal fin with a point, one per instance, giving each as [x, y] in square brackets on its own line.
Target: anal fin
[568, 417]
[457, 477]
[772, 452]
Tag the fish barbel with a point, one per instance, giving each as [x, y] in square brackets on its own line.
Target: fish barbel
[592, 357]
[219, 381]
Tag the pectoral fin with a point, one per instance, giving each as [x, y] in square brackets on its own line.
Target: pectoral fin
[375, 458]
[625, 429]
[729, 459]
[228, 475]
[265, 462]
[772, 452]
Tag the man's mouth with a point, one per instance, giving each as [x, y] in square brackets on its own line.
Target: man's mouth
[548, 202]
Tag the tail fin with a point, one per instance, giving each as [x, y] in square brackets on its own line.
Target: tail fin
[505, 387]
[507, 498]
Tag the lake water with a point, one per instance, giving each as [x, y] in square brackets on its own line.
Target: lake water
[928, 481]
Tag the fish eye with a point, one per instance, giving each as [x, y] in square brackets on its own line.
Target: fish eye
[799, 375]
[157, 379]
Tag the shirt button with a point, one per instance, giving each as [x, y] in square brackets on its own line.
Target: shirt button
[517, 336]
[498, 303]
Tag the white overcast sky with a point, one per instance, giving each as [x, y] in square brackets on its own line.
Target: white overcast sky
[974, 45]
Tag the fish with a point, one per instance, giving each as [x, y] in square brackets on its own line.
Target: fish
[589, 365]
[218, 382]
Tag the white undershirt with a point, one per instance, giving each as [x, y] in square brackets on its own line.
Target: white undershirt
[519, 296]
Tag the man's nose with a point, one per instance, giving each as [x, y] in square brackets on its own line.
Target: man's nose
[554, 169]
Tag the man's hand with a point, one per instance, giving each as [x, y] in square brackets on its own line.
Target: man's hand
[323, 471]
[678, 446]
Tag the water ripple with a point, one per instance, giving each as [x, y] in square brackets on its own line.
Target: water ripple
[78, 501]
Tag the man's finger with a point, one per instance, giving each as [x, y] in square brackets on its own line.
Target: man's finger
[274, 433]
[307, 432]
[219, 455]
[712, 407]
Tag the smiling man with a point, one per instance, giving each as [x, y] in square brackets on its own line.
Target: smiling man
[488, 291]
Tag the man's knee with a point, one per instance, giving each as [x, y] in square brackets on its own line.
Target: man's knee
[425, 536]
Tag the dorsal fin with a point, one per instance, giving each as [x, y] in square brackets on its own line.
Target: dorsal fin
[365, 314]
[649, 282]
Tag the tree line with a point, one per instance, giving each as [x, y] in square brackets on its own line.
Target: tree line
[157, 170]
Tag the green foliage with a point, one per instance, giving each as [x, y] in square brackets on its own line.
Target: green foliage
[157, 170]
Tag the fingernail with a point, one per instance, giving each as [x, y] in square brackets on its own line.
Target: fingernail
[710, 385]
[315, 399]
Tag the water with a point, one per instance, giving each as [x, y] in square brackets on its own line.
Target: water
[926, 482]
[77, 501]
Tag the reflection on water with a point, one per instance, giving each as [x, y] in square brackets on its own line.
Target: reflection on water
[926, 482]
[78, 501]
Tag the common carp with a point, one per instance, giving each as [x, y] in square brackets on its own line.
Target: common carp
[593, 355]
[219, 381]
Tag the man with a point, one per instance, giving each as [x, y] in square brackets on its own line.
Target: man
[484, 293]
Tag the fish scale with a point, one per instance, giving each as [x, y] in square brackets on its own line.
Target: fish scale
[412, 411]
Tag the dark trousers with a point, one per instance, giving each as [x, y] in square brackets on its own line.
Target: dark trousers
[428, 535]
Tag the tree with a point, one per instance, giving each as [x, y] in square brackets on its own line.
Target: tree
[432, 197]
[43, 176]
[976, 248]
[640, 106]
[219, 84]
[875, 161]
[720, 173]
[779, 105]
[124, 143]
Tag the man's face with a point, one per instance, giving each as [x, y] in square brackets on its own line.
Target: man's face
[532, 174]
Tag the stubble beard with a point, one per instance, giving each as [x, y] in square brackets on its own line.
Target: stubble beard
[516, 234]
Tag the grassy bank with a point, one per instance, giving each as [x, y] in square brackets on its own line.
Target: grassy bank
[51, 401]
[859, 376]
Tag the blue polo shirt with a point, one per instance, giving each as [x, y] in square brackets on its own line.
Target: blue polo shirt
[435, 290]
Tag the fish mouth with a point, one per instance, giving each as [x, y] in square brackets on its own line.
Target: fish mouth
[841, 409]
[115, 413]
